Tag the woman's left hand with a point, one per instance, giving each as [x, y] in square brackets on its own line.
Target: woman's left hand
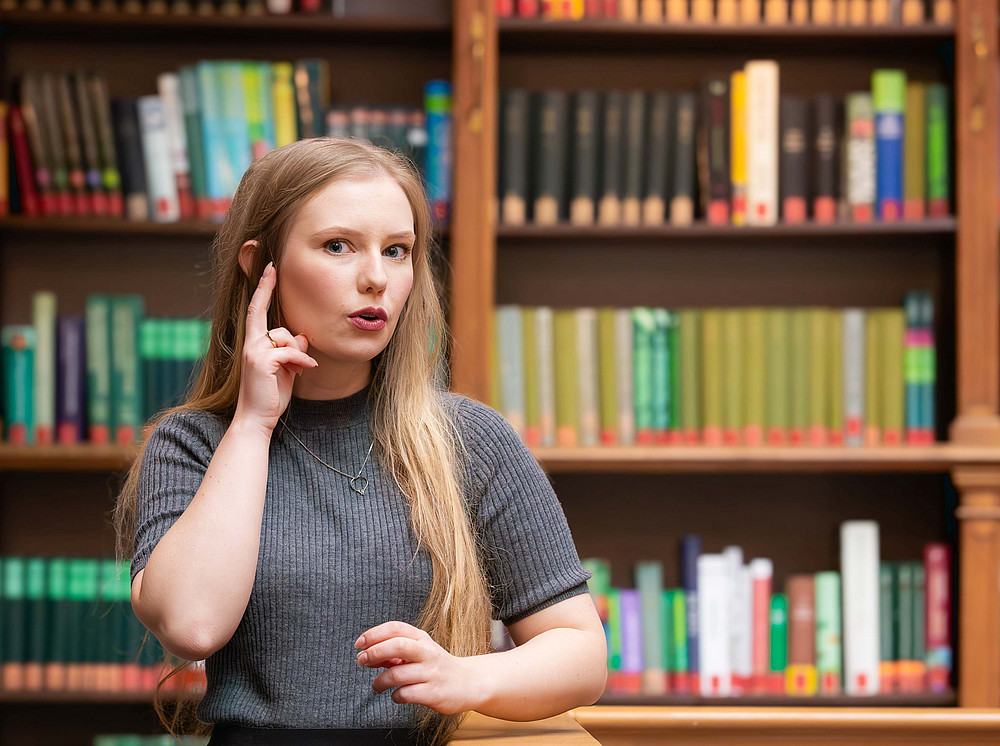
[425, 672]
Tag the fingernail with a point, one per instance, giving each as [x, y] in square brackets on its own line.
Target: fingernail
[362, 658]
[360, 642]
[269, 268]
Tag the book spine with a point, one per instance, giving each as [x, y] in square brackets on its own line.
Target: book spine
[44, 322]
[33, 126]
[550, 157]
[683, 192]
[625, 407]
[938, 630]
[188, 91]
[15, 622]
[689, 331]
[715, 672]
[235, 132]
[111, 179]
[643, 327]
[635, 156]
[55, 144]
[649, 584]
[71, 377]
[859, 567]
[437, 103]
[778, 618]
[67, 118]
[888, 668]
[5, 180]
[614, 638]
[889, 102]
[98, 356]
[819, 378]
[801, 671]
[511, 357]
[567, 429]
[679, 669]
[690, 551]
[532, 410]
[835, 410]
[762, 142]
[126, 379]
[667, 640]
[826, 186]
[713, 379]
[794, 180]
[716, 125]
[546, 375]
[612, 181]
[928, 369]
[23, 167]
[660, 374]
[587, 367]
[828, 633]
[98, 203]
[658, 150]
[514, 156]
[733, 373]
[608, 375]
[216, 158]
[855, 394]
[283, 103]
[903, 626]
[777, 420]
[938, 148]
[894, 395]
[915, 152]
[128, 144]
[632, 655]
[860, 156]
[762, 577]
[874, 352]
[799, 376]
[168, 86]
[674, 348]
[18, 349]
[586, 109]
[35, 608]
[740, 621]
[161, 184]
[917, 672]
[738, 145]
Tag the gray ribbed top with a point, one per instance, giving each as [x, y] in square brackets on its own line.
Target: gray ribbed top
[332, 563]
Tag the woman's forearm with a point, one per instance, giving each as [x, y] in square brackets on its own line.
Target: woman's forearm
[553, 672]
[197, 581]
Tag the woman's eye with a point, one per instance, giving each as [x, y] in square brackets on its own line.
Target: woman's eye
[337, 247]
[397, 252]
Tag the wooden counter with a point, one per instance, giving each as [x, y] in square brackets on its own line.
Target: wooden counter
[744, 726]
[486, 731]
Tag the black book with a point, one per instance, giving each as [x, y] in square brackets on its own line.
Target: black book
[826, 159]
[513, 171]
[714, 149]
[794, 178]
[686, 120]
[550, 155]
[128, 146]
[586, 113]
[656, 191]
[611, 180]
[635, 123]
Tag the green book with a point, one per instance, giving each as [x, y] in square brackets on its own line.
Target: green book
[107, 610]
[667, 631]
[98, 336]
[713, 394]
[18, 361]
[903, 617]
[14, 627]
[44, 365]
[643, 328]
[733, 373]
[887, 633]
[614, 631]
[800, 375]
[126, 370]
[564, 342]
[915, 152]
[777, 408]
[819, 381]
[874, 351]
[36, 608]
[938, 160]
[689, 333]
[660, 369]
[779, 633]
[679, 625]
[649, 583]
[57, 633]
[828, 632]
[188, 85]
[755, 376]
[919, 652]
[673, 351]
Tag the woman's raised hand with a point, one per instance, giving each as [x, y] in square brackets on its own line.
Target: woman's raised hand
[268, 371]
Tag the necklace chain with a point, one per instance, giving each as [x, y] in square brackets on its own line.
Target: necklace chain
[358, 483]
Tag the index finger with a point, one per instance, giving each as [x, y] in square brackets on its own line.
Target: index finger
[387, 631]
[259, 302]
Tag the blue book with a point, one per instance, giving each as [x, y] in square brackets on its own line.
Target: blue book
[690, 551]
[71, 379]
[437, 103]
[216, 159]
[889, 99]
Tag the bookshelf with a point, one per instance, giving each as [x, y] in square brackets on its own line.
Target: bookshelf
[837, 265]
[844, 263]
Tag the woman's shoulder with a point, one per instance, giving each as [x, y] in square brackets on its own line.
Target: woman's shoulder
[197, 430]
[473, 416]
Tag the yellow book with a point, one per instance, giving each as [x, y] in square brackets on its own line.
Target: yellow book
[819, 376]
[564, 342]
[835, 416]
[701, 11]
[712, 376]
[283, 96]
[738, 145]
[878, 12]
[913, 12]
[652, 11]
[756, 376]
[677, 11]
[496, 400]
[575, 9]
[727, 12]
[749, 11]
[857, 13]
[893, 328]
[628, 10]
[800, 12]
[823, 13]
[873, 378]
[801, 680]
[776, 12]
[532, 401]
[841, 11]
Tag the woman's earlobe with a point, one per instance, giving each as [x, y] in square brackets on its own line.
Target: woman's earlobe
[245, 256]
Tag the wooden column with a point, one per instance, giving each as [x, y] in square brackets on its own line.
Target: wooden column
[474, 72]
[977, 257]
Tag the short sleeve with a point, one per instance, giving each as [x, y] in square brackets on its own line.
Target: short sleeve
[528, 550]
[174, 463]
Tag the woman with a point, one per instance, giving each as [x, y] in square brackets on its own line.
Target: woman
[319, 521]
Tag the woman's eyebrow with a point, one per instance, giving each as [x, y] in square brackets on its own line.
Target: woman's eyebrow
[342, 230]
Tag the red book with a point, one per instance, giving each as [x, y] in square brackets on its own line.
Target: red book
[23, 167]
[592, 9]
[309, 6]
[527, 8]
[937, 614]
[504, 8]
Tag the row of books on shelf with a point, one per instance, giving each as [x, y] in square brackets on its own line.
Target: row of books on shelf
[94, 377]
[68, 626]
[179, 154]
[730, 12]
[753, 376]
[231, 8]
[137, 739]
[737, 152]
[872, 627]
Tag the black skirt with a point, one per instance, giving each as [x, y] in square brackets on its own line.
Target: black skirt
[225, 734]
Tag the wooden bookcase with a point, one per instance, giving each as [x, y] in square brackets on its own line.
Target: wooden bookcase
[57, 500]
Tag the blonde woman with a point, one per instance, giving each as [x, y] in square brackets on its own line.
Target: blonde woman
[321, 523]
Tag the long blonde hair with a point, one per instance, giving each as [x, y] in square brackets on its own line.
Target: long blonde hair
[408, 411]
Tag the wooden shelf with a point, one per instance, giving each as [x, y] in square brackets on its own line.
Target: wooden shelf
[928, 699]
[742, 459]
[85, 697]
[910, 229]
[31, 23]
[602, 459]
[617, 35]
[119, 226]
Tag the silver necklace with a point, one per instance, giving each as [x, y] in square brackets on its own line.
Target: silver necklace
[358, 483]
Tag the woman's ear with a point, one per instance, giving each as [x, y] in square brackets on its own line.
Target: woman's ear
[246, 256]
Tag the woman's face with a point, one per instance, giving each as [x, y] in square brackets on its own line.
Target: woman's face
[346, 271]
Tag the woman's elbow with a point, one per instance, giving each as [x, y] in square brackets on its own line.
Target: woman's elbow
[599, 669]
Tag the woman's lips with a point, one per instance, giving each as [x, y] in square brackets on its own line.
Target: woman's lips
[367, 325]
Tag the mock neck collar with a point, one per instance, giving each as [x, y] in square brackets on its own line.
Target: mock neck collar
[318, 413]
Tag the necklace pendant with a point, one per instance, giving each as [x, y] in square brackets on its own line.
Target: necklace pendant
[359, 484]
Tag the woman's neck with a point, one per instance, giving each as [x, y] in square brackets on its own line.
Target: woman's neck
[331, 380]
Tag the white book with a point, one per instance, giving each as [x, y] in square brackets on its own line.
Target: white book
[762, 97]
[43, 304]
[160, 181]
[588, 384]
[741, 617]
[169, 88]
[623, 382]
[714, 625]
[859, 566]
[546, 374]
[854, 376]
[278, 7]
[510, 351]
